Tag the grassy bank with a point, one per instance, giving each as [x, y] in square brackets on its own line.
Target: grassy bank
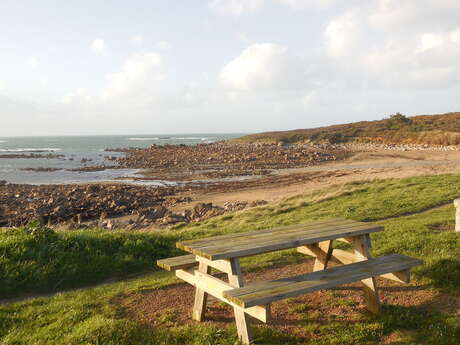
[34, 261]
[37, 259]
[96, 315]
[424, 129]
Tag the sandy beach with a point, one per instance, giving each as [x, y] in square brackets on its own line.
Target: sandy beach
[208, 180]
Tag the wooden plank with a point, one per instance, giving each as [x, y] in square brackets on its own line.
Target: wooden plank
[312, 232]
[362, 252]
[243, 326]
[306, 251]
[221, 265]
[382, 261]
[323, 252]
[235, 236]
[178, 262]
[269, 291]
[216, 287]
[199, 306]
[400, 277]
[262, 235]
[344, 257]
[253, 247]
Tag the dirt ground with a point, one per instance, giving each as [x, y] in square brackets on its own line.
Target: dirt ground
[171, 305]
[361, 166]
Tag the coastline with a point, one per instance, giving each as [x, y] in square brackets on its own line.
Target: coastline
[173, 194]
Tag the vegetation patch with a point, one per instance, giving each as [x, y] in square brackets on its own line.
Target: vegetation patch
[44, 260]
[36, 259]
[396, 129]
[426, 312]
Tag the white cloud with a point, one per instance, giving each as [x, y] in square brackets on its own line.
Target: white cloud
[137, 41]
[235, 7]
[163, 45]
[79, 96]
[194, 93]
[138, 79]
[3, 85]
[304, 4]
[342, 34]
[32, 61]
[400, 44]
[413, 15]
[98, 46]
[136, 83]
[243, 37]
[310, 98]
[263, 66]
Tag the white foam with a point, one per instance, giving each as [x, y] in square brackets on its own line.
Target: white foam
[2, 141]
[37, 149]
[143, 139]
[189, 138]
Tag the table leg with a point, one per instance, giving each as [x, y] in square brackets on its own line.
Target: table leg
[362, 247]
[235, 278]
[322, 252]
[199, 307]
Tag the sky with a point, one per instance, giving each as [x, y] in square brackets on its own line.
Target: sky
[219, 66]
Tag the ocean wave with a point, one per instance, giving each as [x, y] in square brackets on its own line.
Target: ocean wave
[143, 139]
[46, 149]
[191, 138]
[2, 141]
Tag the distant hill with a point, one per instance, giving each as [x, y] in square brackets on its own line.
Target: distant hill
[441, 129]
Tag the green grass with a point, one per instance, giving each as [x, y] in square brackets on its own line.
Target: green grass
[35, 262]
[30, 262]
[93, 316]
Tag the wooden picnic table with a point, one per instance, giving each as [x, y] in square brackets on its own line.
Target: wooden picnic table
[223, 253]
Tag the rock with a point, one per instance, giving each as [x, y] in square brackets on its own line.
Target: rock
[172, 219]
[154, 213]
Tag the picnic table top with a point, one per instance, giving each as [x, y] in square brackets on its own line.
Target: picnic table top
[263, 241]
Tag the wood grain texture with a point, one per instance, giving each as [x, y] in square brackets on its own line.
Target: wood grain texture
[215, 287]
[178, 262]
[362, 246]
[243, 326]
[323, 252]
[268, 291]
[199, 306]
[262, 241]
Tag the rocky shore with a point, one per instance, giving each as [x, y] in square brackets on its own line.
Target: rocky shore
[19, 204]
[204, 168]
[220, 160]
[371, 147]
[103, 205]
[31, 155]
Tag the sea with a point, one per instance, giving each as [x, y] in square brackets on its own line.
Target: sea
[81, 151]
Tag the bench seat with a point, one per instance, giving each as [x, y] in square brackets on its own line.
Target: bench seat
[178, 262]
[265, 292]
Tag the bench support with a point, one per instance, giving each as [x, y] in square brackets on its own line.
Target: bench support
[235, 279]
[199, 307]
[362, 247]
[207, 284]
[324, 253]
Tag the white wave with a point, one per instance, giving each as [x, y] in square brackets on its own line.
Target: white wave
[37, 149]
[143, 139]
[189, 138]
[2, 141]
